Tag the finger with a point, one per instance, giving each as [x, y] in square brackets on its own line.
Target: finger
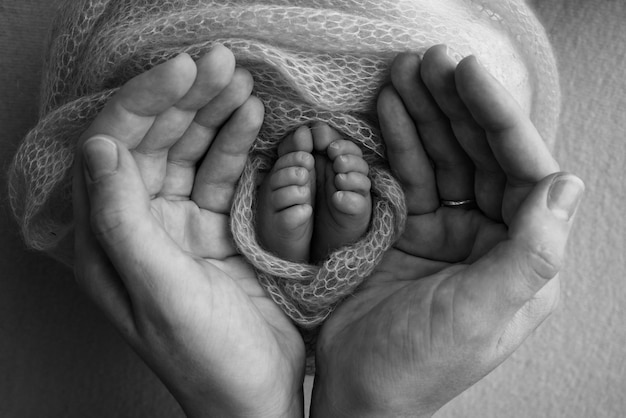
[214, 73]
[510, 275]
[489, 179]
[135, 110]
[189, 150]
[220, 109]
[151, 153]
[129, 114]
[92, 269]
[405, 153]
[142, 252]
[517, 146]
[431, 94]
[516, 143]
[219, 173]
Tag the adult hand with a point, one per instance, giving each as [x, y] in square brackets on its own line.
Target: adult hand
[153, 244]
[464, 286]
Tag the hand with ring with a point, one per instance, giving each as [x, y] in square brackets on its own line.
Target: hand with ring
[476, 270]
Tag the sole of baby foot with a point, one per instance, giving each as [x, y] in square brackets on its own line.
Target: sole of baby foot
[343, 204]
[286, 196]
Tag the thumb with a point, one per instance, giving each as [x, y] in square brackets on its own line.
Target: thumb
[122, 221]
[117, 195]
[512, 273]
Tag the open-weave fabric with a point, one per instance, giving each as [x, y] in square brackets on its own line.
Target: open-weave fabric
[312, 60]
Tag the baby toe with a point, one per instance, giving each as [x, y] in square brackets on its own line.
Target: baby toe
[353, 182]
[323, 136]
[295, 159]
[343, 147]
[347, 163]
[290, 196]
[289, 176]
[300, 140]
[351, 203]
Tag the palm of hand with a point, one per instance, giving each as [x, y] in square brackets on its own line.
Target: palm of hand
[408, 307]
[206, 236]
[184, 298]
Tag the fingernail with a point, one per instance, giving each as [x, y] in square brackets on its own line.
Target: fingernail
[100, 157]
[565, 195]
[453, 55]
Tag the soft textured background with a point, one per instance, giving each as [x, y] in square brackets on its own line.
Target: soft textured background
[60, 358]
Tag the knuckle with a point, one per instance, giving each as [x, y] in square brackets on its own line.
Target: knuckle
[543, 262]
[242, 81]
[108, 222]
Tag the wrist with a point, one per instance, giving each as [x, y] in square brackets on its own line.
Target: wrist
[200, 400]
[268, 408]
[340, 396]
[333, 407]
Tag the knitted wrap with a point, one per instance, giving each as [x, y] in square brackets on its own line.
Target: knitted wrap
[312, 60]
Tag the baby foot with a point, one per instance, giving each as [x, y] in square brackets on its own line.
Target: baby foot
[343, 207]
[286, 196]
[333, 183]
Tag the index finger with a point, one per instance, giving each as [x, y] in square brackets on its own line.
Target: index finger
[517, 145]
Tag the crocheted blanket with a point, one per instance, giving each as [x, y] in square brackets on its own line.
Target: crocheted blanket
[312, 60]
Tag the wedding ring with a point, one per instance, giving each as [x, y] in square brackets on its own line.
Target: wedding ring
[459, 204]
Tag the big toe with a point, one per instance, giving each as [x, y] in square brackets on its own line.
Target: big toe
[299, 140]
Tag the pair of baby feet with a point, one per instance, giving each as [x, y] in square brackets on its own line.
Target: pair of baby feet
[316, 198]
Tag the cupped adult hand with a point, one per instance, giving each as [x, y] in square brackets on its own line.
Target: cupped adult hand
[464, 285]
[154, 248]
